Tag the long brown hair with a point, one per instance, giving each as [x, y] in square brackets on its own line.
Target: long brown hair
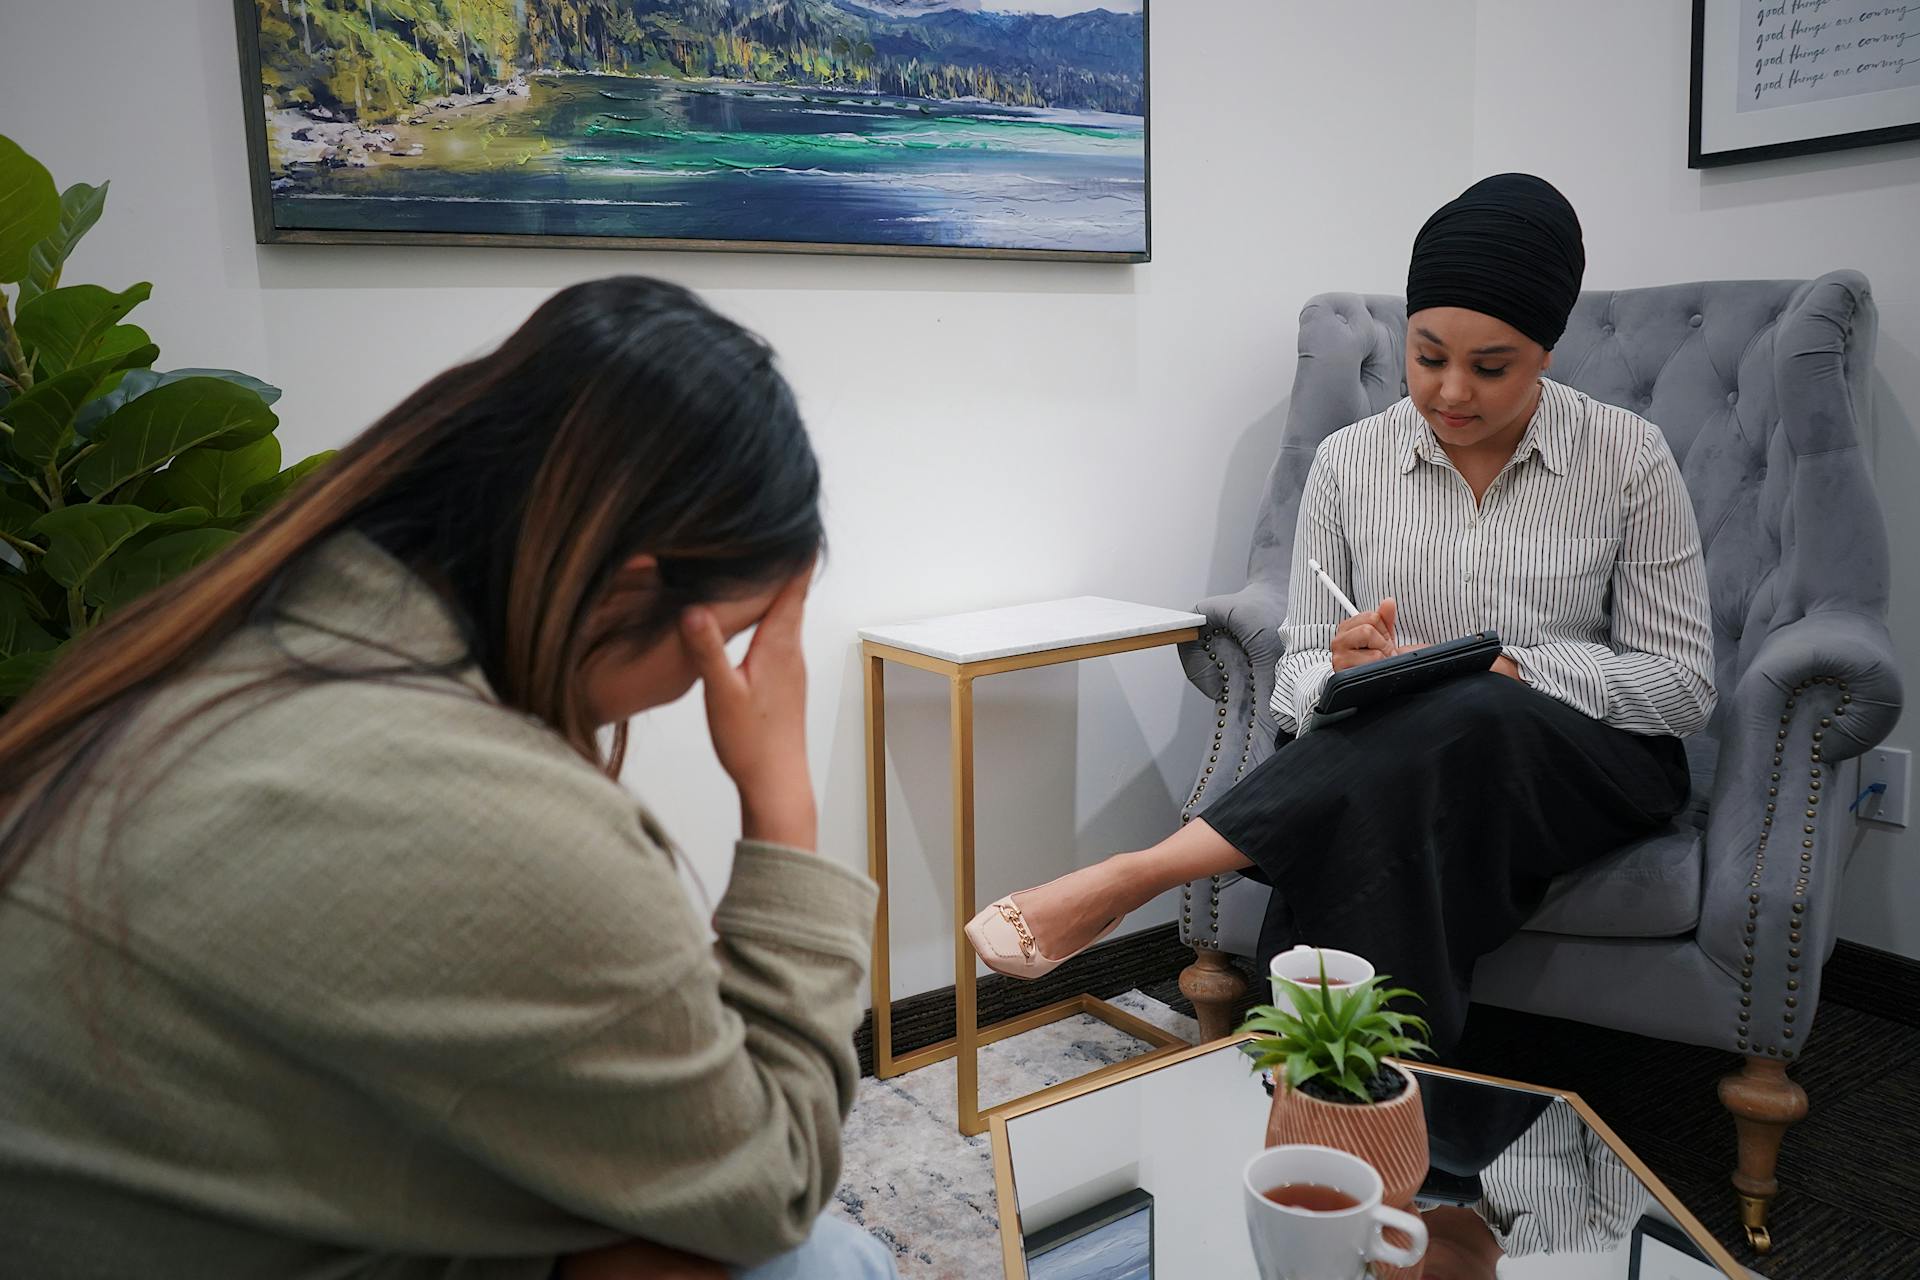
[624, 417]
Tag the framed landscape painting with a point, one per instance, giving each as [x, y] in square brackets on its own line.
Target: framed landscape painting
[1004, 128]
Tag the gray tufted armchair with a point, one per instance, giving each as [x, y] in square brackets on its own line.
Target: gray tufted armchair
[1713, 931]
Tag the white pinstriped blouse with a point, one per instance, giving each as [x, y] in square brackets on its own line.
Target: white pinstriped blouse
[1584, 555]
[1561, 1189]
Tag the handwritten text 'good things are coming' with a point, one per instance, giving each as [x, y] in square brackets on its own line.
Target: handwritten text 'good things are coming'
[1795, 51]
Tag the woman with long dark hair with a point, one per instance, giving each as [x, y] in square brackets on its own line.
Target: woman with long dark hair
[328, 944]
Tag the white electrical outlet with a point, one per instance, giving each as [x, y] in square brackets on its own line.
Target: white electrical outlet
[1894, 767]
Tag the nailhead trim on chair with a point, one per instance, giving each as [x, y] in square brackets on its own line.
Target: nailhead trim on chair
[1200, 788]
[1814, 781]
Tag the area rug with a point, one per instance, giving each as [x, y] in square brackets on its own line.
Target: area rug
[913, 1181]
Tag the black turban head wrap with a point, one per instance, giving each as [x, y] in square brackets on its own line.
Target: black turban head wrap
[1508, 247]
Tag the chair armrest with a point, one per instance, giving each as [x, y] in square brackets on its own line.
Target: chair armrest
[1250, 618]
[1232, 663]
[1830, 646]
[1821, 689]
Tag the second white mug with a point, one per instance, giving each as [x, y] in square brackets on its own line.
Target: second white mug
[1301, 966]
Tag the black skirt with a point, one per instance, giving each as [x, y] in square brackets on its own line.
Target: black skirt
[1422, 832]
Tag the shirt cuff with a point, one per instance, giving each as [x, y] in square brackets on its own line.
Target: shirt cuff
[785, 895]
[1306, 694]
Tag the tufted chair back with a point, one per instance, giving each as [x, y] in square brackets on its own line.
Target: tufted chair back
[1741, 375]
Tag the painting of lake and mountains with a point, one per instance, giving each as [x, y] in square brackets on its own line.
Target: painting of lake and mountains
[959, 126]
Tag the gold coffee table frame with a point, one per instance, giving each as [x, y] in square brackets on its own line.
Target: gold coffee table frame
[964, 1046]
[1013, 1253]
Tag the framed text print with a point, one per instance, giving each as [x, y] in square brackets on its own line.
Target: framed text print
[1778, 78]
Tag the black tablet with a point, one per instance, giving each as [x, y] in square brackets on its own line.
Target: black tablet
[1390, 677]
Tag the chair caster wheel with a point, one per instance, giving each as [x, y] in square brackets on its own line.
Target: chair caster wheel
[1759, 1240]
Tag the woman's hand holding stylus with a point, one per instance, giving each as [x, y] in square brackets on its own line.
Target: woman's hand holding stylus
[1365, 637]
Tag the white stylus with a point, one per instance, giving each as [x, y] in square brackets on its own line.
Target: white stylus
[1332, 586]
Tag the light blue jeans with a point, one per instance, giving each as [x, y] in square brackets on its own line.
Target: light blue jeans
[837, 1250]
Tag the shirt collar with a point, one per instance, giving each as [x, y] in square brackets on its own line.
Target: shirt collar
[1548, 434]
[347, 604]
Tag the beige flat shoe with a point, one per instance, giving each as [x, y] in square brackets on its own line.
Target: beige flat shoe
[1003, 942]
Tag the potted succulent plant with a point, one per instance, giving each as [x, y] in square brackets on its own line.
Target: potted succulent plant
[1334, 1082]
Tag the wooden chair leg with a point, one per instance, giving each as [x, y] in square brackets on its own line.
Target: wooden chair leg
[1765, 1104]
[1215, 987]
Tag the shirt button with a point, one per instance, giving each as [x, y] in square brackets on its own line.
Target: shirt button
[1696, 321]
[1733, 397]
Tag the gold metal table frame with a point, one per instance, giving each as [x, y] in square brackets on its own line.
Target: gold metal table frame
[969, 1036]
[1013, 1254]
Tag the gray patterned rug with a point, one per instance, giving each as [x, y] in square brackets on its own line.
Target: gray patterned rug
[914, 1182]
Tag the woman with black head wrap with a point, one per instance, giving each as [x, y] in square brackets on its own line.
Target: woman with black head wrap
[1422, 832]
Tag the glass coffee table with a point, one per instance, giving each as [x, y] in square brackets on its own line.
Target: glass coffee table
[1137, 1175]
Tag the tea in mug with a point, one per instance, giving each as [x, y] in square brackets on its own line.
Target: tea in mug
[1310, 1196]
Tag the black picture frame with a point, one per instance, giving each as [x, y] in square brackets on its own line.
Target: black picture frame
[1698, 157]
[267, 231]
[1064, 1233]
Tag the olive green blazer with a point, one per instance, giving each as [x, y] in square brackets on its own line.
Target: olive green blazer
[376, 977]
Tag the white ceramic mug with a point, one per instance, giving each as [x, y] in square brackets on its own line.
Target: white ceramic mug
[1301, 967]
[1304, 1244]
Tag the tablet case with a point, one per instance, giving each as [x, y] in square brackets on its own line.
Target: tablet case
[1391, 677]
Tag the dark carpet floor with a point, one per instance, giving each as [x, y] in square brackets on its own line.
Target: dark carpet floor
[1849, 1207]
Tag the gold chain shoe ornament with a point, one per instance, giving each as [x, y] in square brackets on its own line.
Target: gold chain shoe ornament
[1028, 947]
[1004, 943]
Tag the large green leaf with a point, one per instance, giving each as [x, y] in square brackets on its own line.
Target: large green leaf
[267, 392]
[120, 338]
[80, 207]
[29, 590]
[29, 208]
[80, 538]
[20, 632]
[260, 497]
[17, 515]
[170, 419]
[18, 673]
[216, 479]
[138, 383]
[64, 327]
[136, 570]
[42, 418]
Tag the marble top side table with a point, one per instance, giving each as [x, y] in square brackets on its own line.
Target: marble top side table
[963, 648]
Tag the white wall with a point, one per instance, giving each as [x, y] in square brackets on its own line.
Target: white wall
[991, 432]
[1594, 98]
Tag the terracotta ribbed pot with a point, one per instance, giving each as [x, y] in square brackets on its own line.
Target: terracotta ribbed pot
[1391, 1136]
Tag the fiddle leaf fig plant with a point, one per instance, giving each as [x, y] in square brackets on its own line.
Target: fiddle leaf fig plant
[1335, 1039]
[114, 476]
